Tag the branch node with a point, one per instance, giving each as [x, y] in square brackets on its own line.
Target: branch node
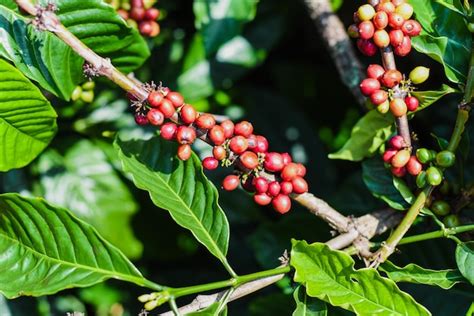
[285, 258]
[45, 18]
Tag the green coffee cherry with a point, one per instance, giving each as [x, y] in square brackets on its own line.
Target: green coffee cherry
[423, 155]
[441, 208]
[421, 180]
[445, 159]
[434, 176]
[384, 107]
[451, 221]
[470, 27]
[76, 94]
[419, 74]
[87, 96]
[89, 85]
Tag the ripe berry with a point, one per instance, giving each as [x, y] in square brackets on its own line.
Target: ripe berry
[404, 48]
[445, 159]
[367, 47]
[152, 14]
[243, 128]
[184, 152]
[286, 158]
[290, 172]
[219, 152]
[387, 7]
[405, 10]
[401, 158]
[411, 28]
[412, 103]
[137, 13]
[366, 12]
[391, 78]
[395, 20]
[388, 155]
[238, 144]
[413, 166]
[286, 187]
[252, 141]
[300, 185]
[396, 37]
[141, 119]
[366, 30]
[262, 199]
[216, 135]
[176, 99]
[398, 107]
[168, 131]
[155, 117]
[441, 208]
[380, 20]
[185, 135]
[396, 3]
[262, 145]
[419, 75]
[249, 160]
[205, 121]
[210, 163]
[228, 127]
[230, 183]
[451, 221]
[155, 98]
[274, 188]
[146, 27]
[301, 170]
[273, 162]
[434, 176]
[281, 203]
[399, 172]
[167, 108]
[188, 114]
[260, 184]
[379, 97]
[381, 38]
[375, 71]
[369, 86]
[396, 142]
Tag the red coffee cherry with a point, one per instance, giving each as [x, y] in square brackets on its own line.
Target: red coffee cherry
[176, 99]
[401, 158]
[391, 78]
[366, 30]
[216, 135]
[399, 172]
[290, 171]
[155, 98]
[262, 145]
[262, 199]
[205, 121]
[273, 162]
[286, 158]
[168, 131]
[188, 114]
[379, 97]
[252, 142]
[141, 119]
[381, 38]
[219, 152]
[367, 47]
[281, 203]
[375, 71]
[414, 167]
[152, 14]
[274, 188]
[397, 142]
[398, 107]
[404, 48]
[300, 185]
[184, 152]
[243, 128]
[260, 184]
[155, 117]
[369, 86]
[228, 127]
[395, 20]
[412, 103]
[167, 108]
[238, 144]
[186, 135]
[380, 20]
[301, 170]
[210, 163]
[146, 28]
[387, 7]
[286, 187]
[230, 183]
[396, 37]
[411, 28]
[249, 160]
[388, 155]
[137, 13]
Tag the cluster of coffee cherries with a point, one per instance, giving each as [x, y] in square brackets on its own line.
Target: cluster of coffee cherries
[382, 23]
[270, 176]
[84, 92]
[388, 90]
[144, 19]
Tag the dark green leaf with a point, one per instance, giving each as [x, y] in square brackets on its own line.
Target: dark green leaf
[370, 132]
[465, 260]
[27, 119]
[307, 305]
[404, 190]
[427, 98]
[330, 276]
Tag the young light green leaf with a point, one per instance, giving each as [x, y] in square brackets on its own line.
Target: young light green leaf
[413, 273]
[307, 305]
[179, 187]
[27, 119]
[427, 98]
[330, 276]
[370, 132]
[45, 249]
[465, 260]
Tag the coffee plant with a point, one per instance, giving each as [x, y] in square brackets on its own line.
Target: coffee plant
[120, 119]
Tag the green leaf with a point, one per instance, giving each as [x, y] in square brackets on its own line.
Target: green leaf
[427, 98]
[100, 27]
[308, 306]
[370, 132]
[83, 181]
[413, 273]
[379, 181]
[465, 260]
[27, 119]
[212, 310]
[404, 190]
[179, 187]
[45, 249]
[36, 54]
[453, 5]
[330, 276]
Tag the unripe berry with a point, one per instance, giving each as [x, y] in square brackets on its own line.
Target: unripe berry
[445, 159]
[405, 10]
[366, 30]
[300, 185]
[155, 29]
[366, 12]
[451, 221]
[381, 38]
[290, 171]
[262, 145]
[168, 131]
[391, 78]
[219, 152]
[230, 183]
[286, 158]
[274, 188]
[419, 75]
[412, 103]
[388, 155]
[369, 86]
[286, 187]
[155, 98]
[176, 99]
[238, 144]
[421, 180]
[155, 117]
[273, 162]
[413, 166]
[141, 119]
[401, 158]
[434, 176]
[396, 142]
[367, 47]
[184, 152]
[243, 128]
[152, 14]
[404, 48]
[411, 28]
[228, 127]
[262, 199]
[249, 160]
[387, 7]
[424, 155]
[379, 97]
[205, 121]
[188, 114]
[395, 20]
[440, 208]
[260, 184]
[375, 71]
[216, 135]
[186, 135]
[281, 203]
[396, 37]
[380, 20]
[384, 107]
[167, 108]
[210, 163]
[399, 172]
[398, 107]
[353, 31]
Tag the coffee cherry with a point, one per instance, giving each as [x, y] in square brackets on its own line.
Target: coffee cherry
[274, 188]
[401, 158]
[167, 108]
[384, 107]
[137, 13]
[155, 117]
[389, 154]
[210, 163]
[367, 47]
[375, 71]
[412, 103]
[286, 158]
[249, 160]
[421, 180]
[286, 187]
[396, 3]
[353, 31]
[186, 135]
[445, 159]
[281, 203]
[188, 114]
[238, 144]
[205, 121]
[184, 152]
[262, 145]
[228, 127]
[399, 172]
[262, 199]
[424, 155]
[405, 10]
[366, 12]
[434, 176]
[301, 170]
[411, 28]
[146, 28]
[260, 184]
[230, 183]
[273, 162]
[219, 152]
[141, 119]
[290, 171]
[300, 185]
[355, 18]
[366, 30]
[176, 99]
[380, 20]
[451, 221]
[373, 3]
[396, 37]
[152, 14]
[381, 38]
[379, 97]
[216, 135]
[395, 20]
[391, 78]
[419, 75]
[168, 131]
[243, 128]
[397, 142]
[247, 184]
[387, 7]
[404, 48]
[123, 13]
[155, 98]
[413, 166]
[369, 86]
[398, 107]
[441, 208]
